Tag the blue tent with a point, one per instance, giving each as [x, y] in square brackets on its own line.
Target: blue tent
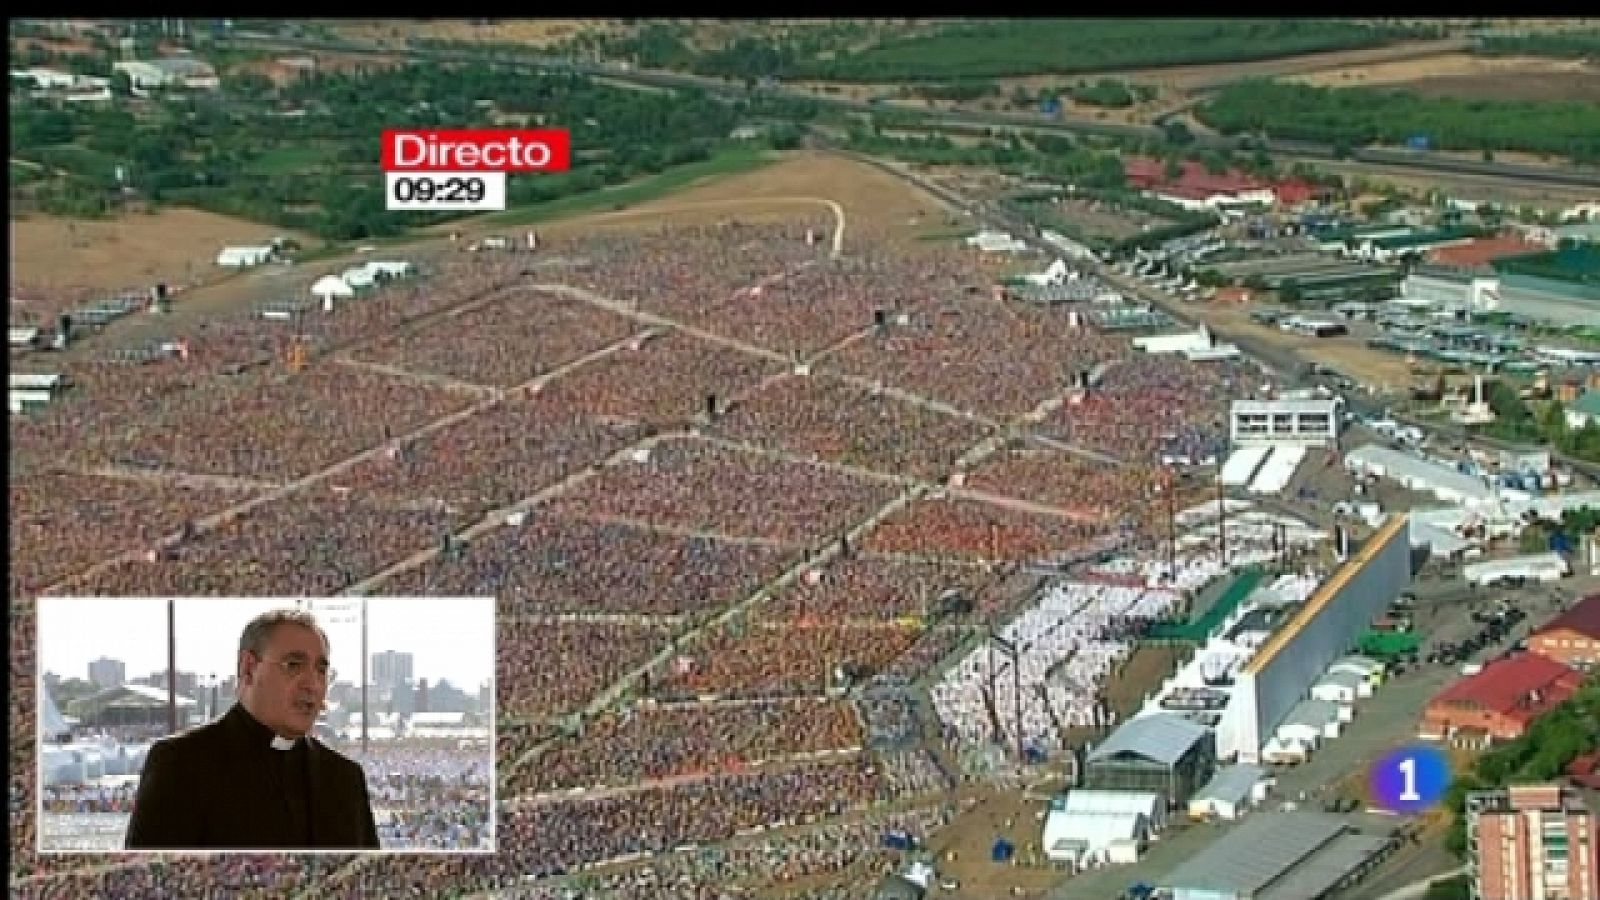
[897, 840]
[1003, 850]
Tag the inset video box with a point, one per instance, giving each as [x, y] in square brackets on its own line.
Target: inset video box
[266, 724]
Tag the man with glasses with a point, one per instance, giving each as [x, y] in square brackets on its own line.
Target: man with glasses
[255, 778]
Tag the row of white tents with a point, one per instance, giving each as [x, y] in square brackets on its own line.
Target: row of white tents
[351, 281]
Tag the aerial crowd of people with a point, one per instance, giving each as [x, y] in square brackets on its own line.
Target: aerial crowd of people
[738, 404]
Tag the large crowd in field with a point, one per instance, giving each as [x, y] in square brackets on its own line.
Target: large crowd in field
[765, 494]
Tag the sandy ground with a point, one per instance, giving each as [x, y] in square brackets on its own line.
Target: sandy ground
[534, 32]
[873, 201]
[176, 245]
[1346, 354]
[962, 849]
[1465, 75]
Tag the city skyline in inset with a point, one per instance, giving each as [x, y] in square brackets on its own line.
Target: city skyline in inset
[76, 632]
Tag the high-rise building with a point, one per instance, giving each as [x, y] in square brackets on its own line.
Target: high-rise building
[1532, 842]
[107, 673]
[391, 669]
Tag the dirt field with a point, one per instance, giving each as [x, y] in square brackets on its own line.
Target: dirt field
[872, 200]
[1096, 219]
[1188, 78]
[971, 836]
[1465, 75]
[176, 245]
[533, 32]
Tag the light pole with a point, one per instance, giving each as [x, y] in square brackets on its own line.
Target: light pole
[1014, 652]
[172, 666]
[363, 675]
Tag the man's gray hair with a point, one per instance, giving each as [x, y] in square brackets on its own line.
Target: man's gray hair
[255, 635]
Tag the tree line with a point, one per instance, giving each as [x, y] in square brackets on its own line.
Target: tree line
[1009, 48]
[305, 156]
[1351, 117]
[1576, 44]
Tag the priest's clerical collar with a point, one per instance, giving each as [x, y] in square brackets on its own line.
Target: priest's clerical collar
[260, 730]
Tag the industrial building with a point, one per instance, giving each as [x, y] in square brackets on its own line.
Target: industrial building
[1196, 346]
[1307, 422]
[1572, 638]
[1421, 475]
[1532, 842]
[1531, 297]
[1321, 631]
[1279, 856]
[1161, 752]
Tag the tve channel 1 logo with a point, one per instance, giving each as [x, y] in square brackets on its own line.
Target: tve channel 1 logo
[1410, 780]
[465, 169]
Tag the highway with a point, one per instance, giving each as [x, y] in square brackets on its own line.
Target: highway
[1283, 149]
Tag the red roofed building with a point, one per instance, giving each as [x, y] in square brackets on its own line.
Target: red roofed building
[1502, 699]
[1585, 771]
[1295, 192]
[1572, 638]
[1195, 187]
[1479, 253]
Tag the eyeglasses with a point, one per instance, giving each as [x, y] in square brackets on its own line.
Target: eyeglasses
[296, 666]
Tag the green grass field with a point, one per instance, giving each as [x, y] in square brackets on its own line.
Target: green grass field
[290, 159]
[727, 162]
[947, 234]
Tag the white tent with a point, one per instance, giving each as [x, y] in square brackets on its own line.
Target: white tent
[329, 287]
[52, 725]
[359, 276]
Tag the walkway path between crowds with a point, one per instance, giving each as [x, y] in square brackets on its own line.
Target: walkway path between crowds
[224, 516]
[835, 250]
[444, 381]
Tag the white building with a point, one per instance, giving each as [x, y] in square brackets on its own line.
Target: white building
[33, 390]
[1423, 475]
[1091, 827]
[246, 256]
[1230, 792]
[46, 78]
[1449, 292]
[1370, 670]
[1309, 723]
[168, 72]
[1312, 421]
[1158, 344]
[1341, 687]
[1537, 567]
